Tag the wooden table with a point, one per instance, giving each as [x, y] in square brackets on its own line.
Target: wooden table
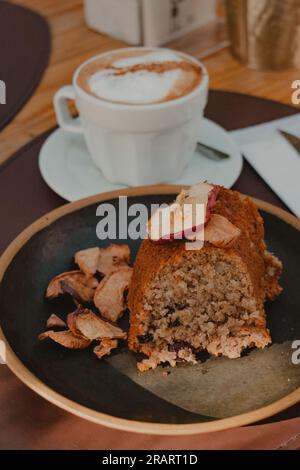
[73, 42]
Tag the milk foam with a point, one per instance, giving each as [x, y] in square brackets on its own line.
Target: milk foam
[140, 87]
[135, 88]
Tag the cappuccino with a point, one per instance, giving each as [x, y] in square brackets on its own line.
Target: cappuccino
[140, 112]
[139, 77]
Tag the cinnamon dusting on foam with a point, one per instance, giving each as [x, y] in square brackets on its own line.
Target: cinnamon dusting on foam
[157, 81]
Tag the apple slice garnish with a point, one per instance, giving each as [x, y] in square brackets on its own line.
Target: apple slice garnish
[220, 232]
[187, 215]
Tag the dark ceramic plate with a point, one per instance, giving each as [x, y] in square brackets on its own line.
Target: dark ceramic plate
[215, 394]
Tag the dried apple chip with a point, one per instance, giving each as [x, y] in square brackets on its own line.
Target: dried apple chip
[87, 260]
[103, 260]
[86, 324]
[112, 257]
[54, 320]
[105, 347]
[109, 296]
[220, 231]
[66, 339]
[75, 283]
[179, 220]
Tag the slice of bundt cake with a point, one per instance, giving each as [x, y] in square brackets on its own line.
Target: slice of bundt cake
[183, 301]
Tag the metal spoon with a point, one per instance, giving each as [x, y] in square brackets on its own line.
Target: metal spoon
[210, 152]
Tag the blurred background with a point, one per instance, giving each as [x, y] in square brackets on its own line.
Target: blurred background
[260, 61]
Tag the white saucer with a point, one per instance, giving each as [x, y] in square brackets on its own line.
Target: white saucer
[68, 169]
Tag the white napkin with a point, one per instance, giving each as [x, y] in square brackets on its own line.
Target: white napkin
[273, 157]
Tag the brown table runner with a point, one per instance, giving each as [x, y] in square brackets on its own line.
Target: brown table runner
[26, 420]
[25, 47]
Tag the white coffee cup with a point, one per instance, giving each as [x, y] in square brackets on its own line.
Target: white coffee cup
[136, 144]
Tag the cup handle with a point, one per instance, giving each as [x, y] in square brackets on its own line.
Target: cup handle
[63, 116]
